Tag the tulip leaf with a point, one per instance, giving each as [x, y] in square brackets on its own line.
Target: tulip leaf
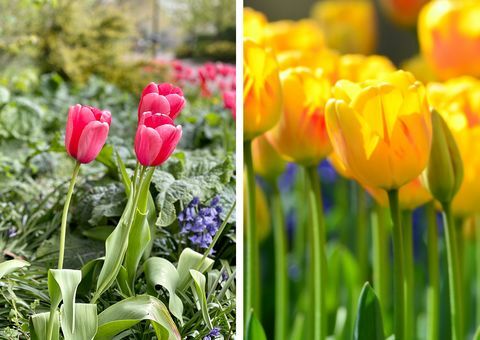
[62, 286]
[89, 273]
[39, 325]
[85, 323]
[190, 259]
[369, 323]
[99, 233]
[162, 273]
[10, 266]
[129, 312]
[123, 173]
[137, 242]
[198, 289]
[254, 329]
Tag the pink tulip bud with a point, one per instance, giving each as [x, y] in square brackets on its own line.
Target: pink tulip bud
[86, 133]
[156, 138]
[229, 102]
[161, 98]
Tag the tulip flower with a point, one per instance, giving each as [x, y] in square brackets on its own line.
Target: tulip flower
[254, 24]
[156, 138]
[458, 103]
[403, 12]
[301, 136]
[450, 38]
[266, 161]
[349, 26]
[358, 68]
[381, 129]
[262, 95]
[229, 102]
[288, 35]
[161, 98]
[86, 133]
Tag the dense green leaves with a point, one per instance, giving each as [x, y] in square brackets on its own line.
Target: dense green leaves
[11, 266]
[369, 323]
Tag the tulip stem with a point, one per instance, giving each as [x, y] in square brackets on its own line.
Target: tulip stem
[477, 253]
[381, 272]
[433, 288]
[135, 174]
[318, 260]
[251, 290]
[63, 228]
[362, 237]
[281, 274]
[398, 258]
[407, 228]
[453, 273]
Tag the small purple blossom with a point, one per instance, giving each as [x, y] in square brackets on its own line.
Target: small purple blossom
[12, 232]
[214, 333]
[199, 223]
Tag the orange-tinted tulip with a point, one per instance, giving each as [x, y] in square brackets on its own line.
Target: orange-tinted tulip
[458, 101]
[253, 24]
[403, 12]
[262, 94]
[381, 129]
[349, 25]
[300, 135]
[287, 35]
[266, 161]
[449, 36]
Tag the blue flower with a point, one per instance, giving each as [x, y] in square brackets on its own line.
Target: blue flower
[199, 223]
[214, 333]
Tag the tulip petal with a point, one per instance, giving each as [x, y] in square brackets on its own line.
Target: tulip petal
[155, 103]
[91, 141]
[147, 145]
[78, 118]
[170, 136]
[176, 104]
[155, 120]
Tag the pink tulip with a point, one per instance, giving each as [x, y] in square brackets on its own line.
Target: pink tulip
[161, 98]
[156, 138]
[86, 133]
[229, 102]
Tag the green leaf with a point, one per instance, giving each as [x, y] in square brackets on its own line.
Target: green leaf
[137, 242]
[38, 326]
[190, 259]
[10, 266]
[123, 173]
[199, 290]
[162, 273]
[254, 329]
[62, 285]
[127, 313]
[85, 323]
[369, 324]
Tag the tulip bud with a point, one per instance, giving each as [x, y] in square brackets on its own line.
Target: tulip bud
[229, 102]
[444, 173]
[161, 98]
[86, 133]
[156, 138]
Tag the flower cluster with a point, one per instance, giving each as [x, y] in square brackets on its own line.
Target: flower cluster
[200, 222]
[214, 333]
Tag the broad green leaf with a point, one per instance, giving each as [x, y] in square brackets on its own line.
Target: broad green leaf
[161, 273]
[62, 285]
[10, 266]
[38, 326]
[89, 274]
[99, 233]
[137, 243]
[127, 313]
[369, 323]
[254, 329]
[85, 323]
[198, 288]
[190, 259]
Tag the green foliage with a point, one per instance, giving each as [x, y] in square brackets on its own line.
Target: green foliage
[369, 324]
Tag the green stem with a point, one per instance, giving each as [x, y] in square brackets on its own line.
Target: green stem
[281, 273]
[477, 253]
[63, 228]
[398, 278]
[318, 261]
[251, 290]
[362, 235]
[453, 273]
[407, 228]
[433, 289]
[135, 173]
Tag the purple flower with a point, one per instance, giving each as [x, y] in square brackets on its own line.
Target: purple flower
[214, 333]
[199, 223]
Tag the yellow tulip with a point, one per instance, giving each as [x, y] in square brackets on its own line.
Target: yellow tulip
[349, 25]
[300, 135]
[458, 101]
[325, 59]
[262, 94]
[449, 35]
[266, 161]
[262, 212]
[411, 196]
[358, 68]
[381, 129]
[254, 24]
[288, 35]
